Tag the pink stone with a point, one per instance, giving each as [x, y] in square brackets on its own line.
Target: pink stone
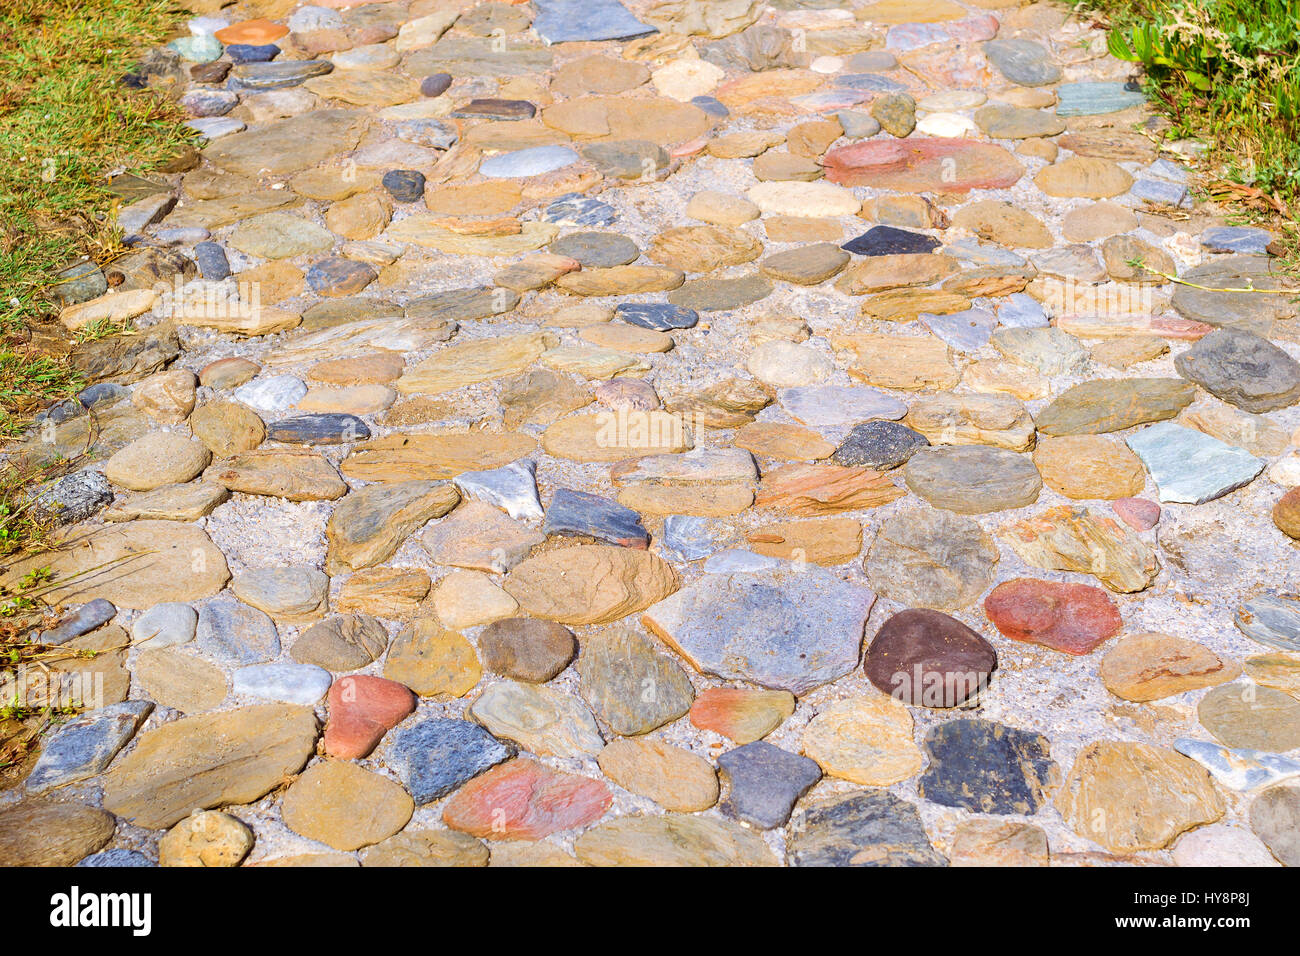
[523, 800]
[689, 148]
[1138, 513]
[361, 710]
[1073, 618]
[920, 165]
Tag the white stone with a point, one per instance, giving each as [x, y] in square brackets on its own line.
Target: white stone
[684, 80]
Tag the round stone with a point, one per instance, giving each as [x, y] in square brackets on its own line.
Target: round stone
[866, 740]
[345, 807]
[404, 185]
[157, 459]
[1149, 666]
[881, 445]
[926, 658]
[1073, 618]
[596, 250]
[165, 625]
[527, 649]
[973, 479]
[1286, 514]
[1275, 818]
[672, 777]
[206, 838]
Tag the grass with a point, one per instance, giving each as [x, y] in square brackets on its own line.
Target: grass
[1226, 72]
[66, 123]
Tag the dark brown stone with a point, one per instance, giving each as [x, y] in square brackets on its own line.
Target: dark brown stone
[929, 659]
[526, 648]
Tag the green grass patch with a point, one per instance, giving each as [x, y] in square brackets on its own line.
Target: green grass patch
[1225, 71]
[66, 123]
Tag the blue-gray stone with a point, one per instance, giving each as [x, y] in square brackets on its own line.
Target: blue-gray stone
[740, 561]
[165, 625]
[1271, 619]
[435, 757]
[86, 745]
[576, 21]
[879, 445]
[103, 393]
[985, 254]
[80, 283]
[231, 631]
[215, 127]
[986, 767]
[209, 103]
[871, 61]
[1023, 62]
[657, 315]
[1238, 769]
[404, 185]
[337, 276]
[575, 209]
[711, 105]
[276, 76]
[577, 512]
[435, 84]
[874, 828]
[790, 627]
[303, 684]
[323, 428]
[428, 132]
[1190, 466]
[1091, 98]
[1168, 170]
[1243, 369]
[826, 406]
[1022, 311]
[890, 241]
[686, 538]
[181, 235]
[252, 52]
[857, 124]
[212, 262]
[81, 621]
[117, 858]
[1160, 191]
[534, 161]
[74, 497]
[59, 413]
[512, 488]
[1244, 240]
[868, 83]
[765, 783]
[967, 331]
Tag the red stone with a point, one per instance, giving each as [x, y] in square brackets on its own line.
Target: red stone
[1073, 618]
[1138, 513]
[254, 32]
[523, 800]
[361, 710]
[923, 165]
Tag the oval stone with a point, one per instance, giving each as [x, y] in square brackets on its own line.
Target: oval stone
[1073, 618]
[929, 659]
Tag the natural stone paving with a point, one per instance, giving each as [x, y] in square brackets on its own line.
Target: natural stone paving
[660, 433]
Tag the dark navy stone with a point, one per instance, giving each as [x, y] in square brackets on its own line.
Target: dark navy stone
[212, 262]
[117, 858]
[765, 782]
[319, 428]
[103, 393]
[568, 21]
[576, 512]
[338, 276]
[324, 428]
[435, 84]
[579, 210]
[711, 105]
[656, 315]
[252, 53]
[891, 241]
[987, 767]
[81, 621]
[879, 445]
[435, 757]
[861, 829]
[404, 185]
[75, 497]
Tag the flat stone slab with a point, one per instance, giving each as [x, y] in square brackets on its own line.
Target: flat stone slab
[786, 629]
[1272, 619]
[1190, 466]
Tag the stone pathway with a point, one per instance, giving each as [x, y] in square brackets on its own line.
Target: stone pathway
[671, 432]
